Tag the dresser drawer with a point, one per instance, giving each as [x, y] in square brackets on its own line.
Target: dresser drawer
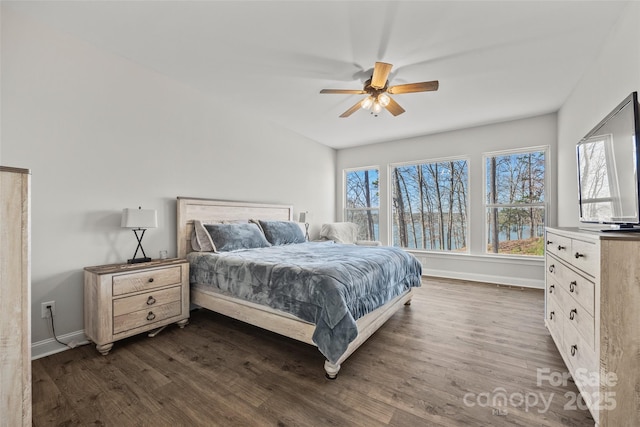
[555, 292]
[554, 318]
[578, 353]
[584, 368]
[579, 288]
[559, 246]
[144, 280]
[585, 256]
[146, 301]
[146, 317]
[576, 317]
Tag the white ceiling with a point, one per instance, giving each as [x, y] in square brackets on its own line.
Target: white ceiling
[495, 61]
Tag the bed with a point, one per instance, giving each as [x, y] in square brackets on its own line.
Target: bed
[305, 265]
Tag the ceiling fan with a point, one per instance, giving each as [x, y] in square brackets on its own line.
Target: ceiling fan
[377, 87]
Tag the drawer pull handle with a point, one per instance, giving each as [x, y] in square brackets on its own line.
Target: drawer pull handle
[578, 255]
[151, 300]
[572, 314]
[151, 316]
[551, 288]
[574, 349]
[549, 242]
[552, 268]
[561, 248]
[572, 286]
[551, 315]
[150, 279]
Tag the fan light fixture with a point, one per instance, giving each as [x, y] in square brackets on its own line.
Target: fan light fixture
[377, 88]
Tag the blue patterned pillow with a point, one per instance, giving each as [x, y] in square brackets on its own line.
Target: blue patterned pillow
[231, 237]
[282, 232]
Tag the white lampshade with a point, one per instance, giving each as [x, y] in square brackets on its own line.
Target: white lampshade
[139, 218]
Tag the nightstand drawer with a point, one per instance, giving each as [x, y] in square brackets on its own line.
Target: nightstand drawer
[149, 279]
[146, 301]
[146, 317]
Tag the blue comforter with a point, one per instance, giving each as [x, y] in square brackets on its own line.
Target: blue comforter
[325, 283]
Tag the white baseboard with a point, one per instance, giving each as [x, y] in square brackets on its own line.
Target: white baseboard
[51, 346]
[486, 278]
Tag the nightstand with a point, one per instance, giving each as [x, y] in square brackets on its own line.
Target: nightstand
[121, 300]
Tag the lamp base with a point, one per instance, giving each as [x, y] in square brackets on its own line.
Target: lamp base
[138, 260]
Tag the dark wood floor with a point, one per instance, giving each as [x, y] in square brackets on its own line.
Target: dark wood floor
[449, 359]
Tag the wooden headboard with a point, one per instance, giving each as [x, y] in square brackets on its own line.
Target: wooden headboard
[190, 209]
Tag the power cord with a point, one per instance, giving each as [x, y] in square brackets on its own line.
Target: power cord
[53, 328]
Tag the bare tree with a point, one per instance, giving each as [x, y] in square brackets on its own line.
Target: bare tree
[367, 191]
[493, 194]
[399, 207]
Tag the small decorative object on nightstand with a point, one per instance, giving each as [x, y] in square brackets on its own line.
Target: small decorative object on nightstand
[139, 220]
[121, 300]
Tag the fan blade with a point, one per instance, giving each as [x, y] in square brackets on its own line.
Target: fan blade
[351, 110]
[380, 73]
[414, 87]
[344, 91]
[394, 108]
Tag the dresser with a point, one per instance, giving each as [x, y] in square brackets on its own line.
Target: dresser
[15, 297]
[592, 305]
[121, 300]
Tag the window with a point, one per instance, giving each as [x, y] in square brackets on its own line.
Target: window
[515, 202]
[362, 204]
[430, 205]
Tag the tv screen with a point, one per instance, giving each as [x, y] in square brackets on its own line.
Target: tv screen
[608, 169]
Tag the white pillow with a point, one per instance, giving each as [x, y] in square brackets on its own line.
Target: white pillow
[200, 238]
[340, 232]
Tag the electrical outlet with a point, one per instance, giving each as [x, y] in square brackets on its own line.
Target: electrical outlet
[45, 310]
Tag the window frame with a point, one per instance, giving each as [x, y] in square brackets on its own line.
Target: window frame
[346, 209]
[487, 205]
[467, 226]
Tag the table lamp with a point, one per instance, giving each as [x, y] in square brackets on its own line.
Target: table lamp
[139, 220]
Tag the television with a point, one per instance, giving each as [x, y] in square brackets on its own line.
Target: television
[608, 163]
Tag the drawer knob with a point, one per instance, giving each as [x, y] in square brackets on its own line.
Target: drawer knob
[151, 316]
[572, 286]
[150, 279]
[578, 255]
[572, 313]
[151, 300]
[561, 248]
[574, 349]
[549, 242]
[551, 288]
[551, 315]
[552, 268]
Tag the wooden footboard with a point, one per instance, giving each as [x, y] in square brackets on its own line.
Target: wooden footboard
[290, 326]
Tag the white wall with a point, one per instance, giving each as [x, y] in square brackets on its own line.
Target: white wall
[612, 77]
[101, 133]
[469, 143]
